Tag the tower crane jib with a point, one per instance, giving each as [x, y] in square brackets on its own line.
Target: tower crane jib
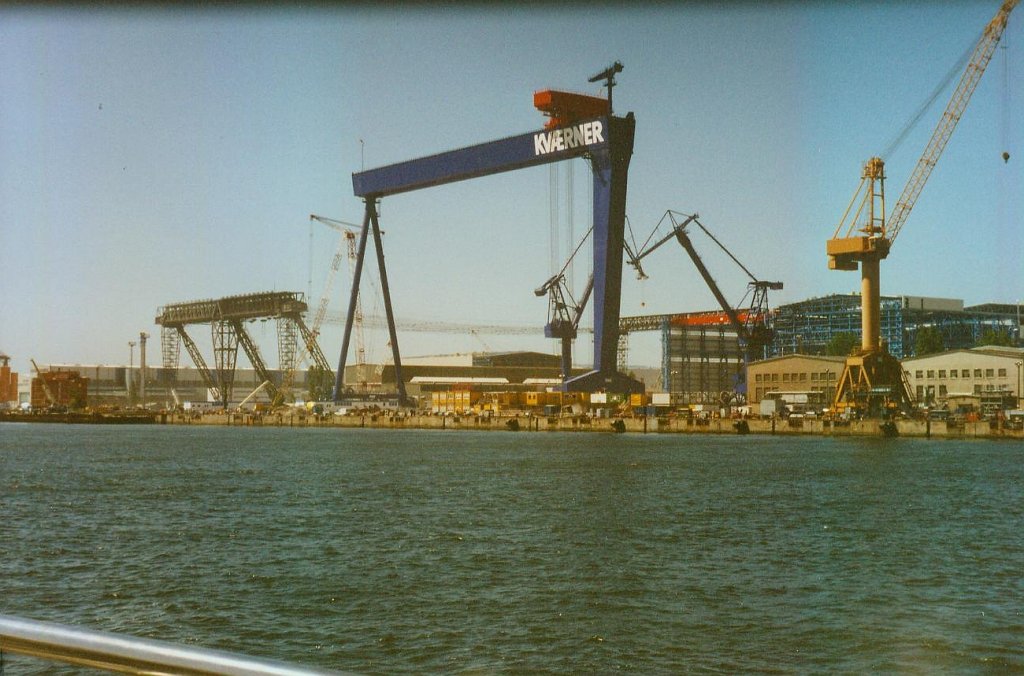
[979, 60]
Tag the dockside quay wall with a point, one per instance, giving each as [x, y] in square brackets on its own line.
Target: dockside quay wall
[640, 425]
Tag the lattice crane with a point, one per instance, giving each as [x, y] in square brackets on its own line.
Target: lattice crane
[346, 247]
[873, 380]
[349, 241]
[751, 324]
[50, 396]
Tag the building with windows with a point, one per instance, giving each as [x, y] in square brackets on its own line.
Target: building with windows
[989, 373]
[796, 373]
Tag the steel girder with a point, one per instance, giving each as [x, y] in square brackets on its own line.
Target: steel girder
[255, 358]
[197, 359]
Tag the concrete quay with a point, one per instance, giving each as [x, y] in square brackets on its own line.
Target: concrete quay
[639, 425]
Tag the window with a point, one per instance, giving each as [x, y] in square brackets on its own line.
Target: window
[831, 376]
[952, 373]
[1002, 373]
[814, 376]
[966, 373]
[785, 377]
[919, 374]
[920, 392]
[990, 373]
[942, 373]
[803, 377]
[931, 373]
[977, 373]
[775, 377]
[942, 391]
[977, 389]
[757, 379]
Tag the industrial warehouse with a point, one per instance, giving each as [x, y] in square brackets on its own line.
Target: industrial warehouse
[844, 356]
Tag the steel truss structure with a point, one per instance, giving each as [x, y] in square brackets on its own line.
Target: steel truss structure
[808, 326]
[227, 318]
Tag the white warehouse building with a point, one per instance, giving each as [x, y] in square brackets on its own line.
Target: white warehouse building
[988, 373]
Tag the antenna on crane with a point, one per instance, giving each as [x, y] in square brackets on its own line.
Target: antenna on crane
[608, 75]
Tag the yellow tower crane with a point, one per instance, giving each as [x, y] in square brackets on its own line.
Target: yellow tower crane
[873, 381]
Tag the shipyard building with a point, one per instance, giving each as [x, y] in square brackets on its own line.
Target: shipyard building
[807, 327]
[118, 385]
[703, 361]
[989, 378]
[8, 383]
[810, 375]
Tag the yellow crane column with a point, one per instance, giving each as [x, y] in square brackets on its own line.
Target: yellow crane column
[873, 380]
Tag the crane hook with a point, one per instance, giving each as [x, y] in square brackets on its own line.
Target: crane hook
[1006, 157]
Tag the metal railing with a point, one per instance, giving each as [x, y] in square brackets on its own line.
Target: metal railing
[129, 654]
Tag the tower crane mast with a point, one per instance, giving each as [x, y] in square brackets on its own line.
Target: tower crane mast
[346, 245]
[873, 380]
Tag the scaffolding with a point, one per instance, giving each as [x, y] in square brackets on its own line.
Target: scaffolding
[807, 327]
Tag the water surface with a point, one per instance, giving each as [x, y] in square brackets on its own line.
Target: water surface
[388, 552]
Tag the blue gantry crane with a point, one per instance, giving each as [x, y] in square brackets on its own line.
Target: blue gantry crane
[579, 126]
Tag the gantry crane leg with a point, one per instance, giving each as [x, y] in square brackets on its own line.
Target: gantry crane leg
[370, 226]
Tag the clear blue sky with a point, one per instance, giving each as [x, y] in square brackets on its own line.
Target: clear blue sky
[151, 155]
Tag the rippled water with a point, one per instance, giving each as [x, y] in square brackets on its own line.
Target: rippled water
[410, 552]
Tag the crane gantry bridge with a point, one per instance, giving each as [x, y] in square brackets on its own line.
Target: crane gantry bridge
[579, 126]
[226, 318]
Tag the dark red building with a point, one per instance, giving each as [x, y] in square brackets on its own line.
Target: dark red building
[68, 389]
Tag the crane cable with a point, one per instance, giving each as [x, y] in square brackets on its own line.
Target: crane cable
[1006, 99]
[956, 70]
[729, 253]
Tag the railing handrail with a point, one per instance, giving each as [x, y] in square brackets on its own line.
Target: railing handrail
[130, 654]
